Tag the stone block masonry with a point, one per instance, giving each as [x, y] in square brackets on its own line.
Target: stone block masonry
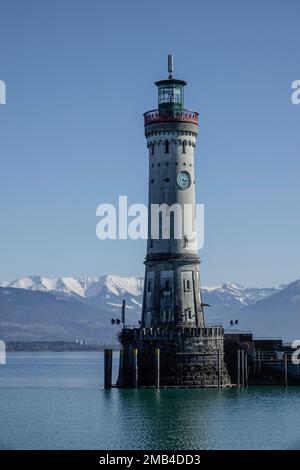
[189, 357]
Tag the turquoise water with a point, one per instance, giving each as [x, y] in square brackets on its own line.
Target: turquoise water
[56, 401]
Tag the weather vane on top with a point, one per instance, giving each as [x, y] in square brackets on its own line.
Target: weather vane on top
[170, 65]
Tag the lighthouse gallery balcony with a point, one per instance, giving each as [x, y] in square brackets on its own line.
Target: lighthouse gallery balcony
[159, 115]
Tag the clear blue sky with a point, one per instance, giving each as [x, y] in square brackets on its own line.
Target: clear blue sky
[79, 75]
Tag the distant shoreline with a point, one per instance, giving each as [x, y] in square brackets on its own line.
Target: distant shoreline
[55, 346]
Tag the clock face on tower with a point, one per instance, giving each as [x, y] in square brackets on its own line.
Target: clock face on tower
[183, 179]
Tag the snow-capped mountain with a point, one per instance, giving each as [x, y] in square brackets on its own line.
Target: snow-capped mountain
[228, 298]
[28, 315]
[230, 292]
[277, 315]
[114, 285]
[95, 291]
[108, 292]
[79, 286]
[103, 296]
[35, 307]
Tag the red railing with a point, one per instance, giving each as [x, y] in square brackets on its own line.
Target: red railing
[155, 115]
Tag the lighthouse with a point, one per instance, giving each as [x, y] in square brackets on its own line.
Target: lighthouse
[172, 345]
[172, 279]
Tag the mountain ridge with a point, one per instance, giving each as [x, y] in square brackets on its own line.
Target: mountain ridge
[103, 295]
[86, 286]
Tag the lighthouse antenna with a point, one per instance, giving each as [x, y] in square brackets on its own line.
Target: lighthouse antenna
[170, 65]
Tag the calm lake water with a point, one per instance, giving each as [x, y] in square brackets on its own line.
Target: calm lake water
[57, 401]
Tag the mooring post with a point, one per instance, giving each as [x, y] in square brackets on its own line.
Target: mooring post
[121, 368]
[246, 370]
[286, 369]
[135, 368]
[243, 367]
[219, 378]
[259, 362]
[157, 365]
[107, 367]
[238, 368]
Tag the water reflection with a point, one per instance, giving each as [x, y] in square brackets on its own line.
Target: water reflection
[166, 419]
[205, 419]
[65, 392]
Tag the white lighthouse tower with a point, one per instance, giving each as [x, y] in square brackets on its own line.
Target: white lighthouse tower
[172, 280]
[172, 346]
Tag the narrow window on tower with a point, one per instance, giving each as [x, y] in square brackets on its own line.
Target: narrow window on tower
[152, 149]
[187, 285]
[149, 286]
[184, 146]
[167, 146]
[167, 285]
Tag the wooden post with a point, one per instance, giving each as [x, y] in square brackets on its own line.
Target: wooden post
[157, 365]
[243, 367]
[285, 369]
[219, 378]
[238, 368]
[107, 367]
[135, 368]
[246, 370]
[121, 368]
[259, 362]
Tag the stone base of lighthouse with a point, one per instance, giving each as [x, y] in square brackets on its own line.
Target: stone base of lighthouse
[172, 357]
